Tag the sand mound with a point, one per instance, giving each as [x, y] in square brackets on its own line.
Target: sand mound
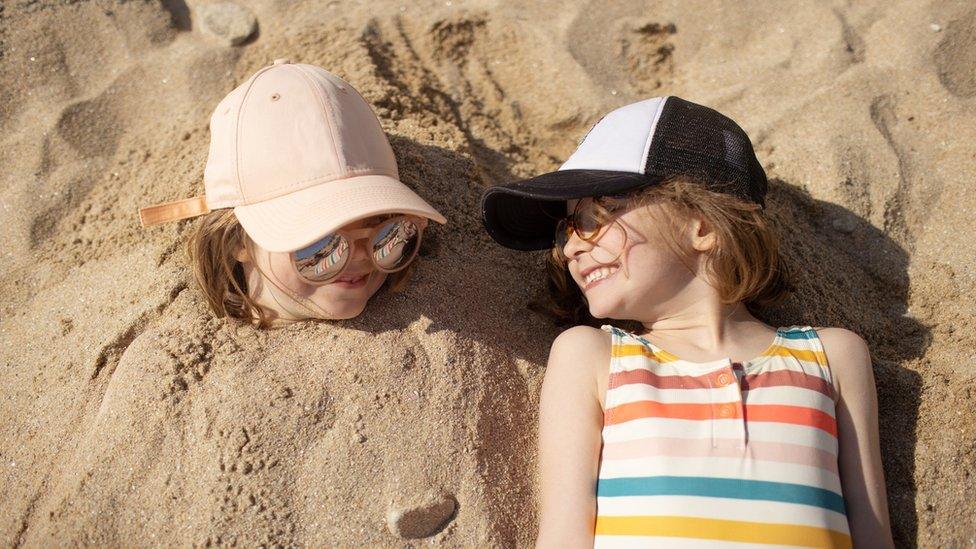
[131, 417]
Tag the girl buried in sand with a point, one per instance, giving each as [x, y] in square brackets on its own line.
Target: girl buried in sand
[706, 427]
[320, 219]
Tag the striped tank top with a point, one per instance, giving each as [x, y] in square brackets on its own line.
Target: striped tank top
[720, 454]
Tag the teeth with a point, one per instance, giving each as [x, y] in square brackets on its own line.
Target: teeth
[600, 273]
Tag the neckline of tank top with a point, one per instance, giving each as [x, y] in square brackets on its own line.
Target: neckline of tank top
[712, 364]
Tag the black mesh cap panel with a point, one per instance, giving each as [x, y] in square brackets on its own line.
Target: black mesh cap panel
[702, 143]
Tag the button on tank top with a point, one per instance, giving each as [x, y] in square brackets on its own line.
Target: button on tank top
[720, 454]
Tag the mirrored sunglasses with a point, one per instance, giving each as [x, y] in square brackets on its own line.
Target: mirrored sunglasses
[391, 246]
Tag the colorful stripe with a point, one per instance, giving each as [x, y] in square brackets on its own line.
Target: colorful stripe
[704, 507]
[765, 395]
[807, 355]
[777, 413]
[721, 428]
[724, 467]
[720, 488]
[620, 351]
[799, 334]
[775, 378]
[642, 350]
[692, 447]
[723, 530]
[787, 378]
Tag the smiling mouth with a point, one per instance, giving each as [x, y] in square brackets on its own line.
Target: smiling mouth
[351, 281]
[598, 275]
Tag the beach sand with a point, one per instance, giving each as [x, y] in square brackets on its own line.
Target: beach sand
[130, 417]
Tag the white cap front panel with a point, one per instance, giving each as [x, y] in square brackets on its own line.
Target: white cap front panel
[620, 141]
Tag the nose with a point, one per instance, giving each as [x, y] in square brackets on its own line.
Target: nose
[360, 252]
[575, 246]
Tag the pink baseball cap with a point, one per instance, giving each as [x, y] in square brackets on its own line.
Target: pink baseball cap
[298, 153]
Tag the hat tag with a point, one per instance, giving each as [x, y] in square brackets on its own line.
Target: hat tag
[173, 211]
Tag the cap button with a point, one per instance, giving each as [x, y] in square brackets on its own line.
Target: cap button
[282, 61]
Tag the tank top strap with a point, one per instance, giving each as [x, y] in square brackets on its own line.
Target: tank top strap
[616, 341]
[804, 343]
[625, 351]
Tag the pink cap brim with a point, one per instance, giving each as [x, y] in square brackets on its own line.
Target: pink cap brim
[297, 219]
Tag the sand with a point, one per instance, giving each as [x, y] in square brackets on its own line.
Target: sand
[130, 417]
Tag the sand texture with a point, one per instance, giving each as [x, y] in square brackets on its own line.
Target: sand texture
[130, 417]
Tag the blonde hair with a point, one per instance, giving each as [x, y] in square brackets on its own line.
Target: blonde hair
[212, 249]
[745, 265]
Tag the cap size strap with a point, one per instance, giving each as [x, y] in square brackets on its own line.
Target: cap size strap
[173, 211]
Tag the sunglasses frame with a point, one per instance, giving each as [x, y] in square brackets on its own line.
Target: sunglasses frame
[571, 221]
[352, 236]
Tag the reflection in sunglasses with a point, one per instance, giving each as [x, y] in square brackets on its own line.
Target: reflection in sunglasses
[331, 258]
[319, 248]
[392, 247]
[397, 235]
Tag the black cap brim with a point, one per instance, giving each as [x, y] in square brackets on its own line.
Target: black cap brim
[523, 215]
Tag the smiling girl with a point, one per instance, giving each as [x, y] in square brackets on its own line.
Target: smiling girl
[319, 217]
[705, 427]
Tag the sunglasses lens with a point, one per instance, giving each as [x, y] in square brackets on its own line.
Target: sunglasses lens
[324, 259]
[589, 218]
[395, 244]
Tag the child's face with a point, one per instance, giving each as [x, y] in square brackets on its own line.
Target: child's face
[631, 270]
[291, 297]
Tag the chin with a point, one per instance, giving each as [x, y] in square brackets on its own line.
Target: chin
[605, 308]
[344, 304]
[599, 312]
[348, 310]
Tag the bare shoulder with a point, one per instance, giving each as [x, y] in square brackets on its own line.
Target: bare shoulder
[581, 339]
[848, 357]
[580, 355]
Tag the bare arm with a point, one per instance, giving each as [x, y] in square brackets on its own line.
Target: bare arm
[570, 423]
[861, 471]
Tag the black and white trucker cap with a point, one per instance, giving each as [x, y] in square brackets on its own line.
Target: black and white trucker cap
[635, 146]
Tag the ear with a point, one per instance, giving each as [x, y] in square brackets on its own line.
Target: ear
[703, 237]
